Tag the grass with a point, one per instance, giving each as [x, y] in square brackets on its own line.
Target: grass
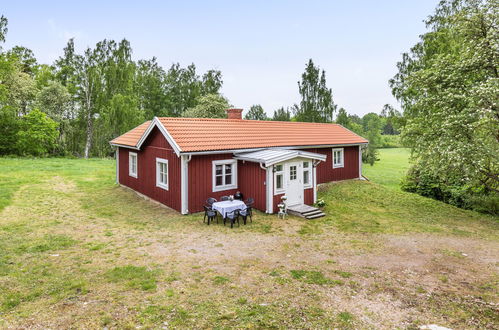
[392, 166]
[77, 251]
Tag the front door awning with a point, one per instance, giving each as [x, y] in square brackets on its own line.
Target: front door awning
[269, 157]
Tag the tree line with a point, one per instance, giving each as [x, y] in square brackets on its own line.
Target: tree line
[81, 101]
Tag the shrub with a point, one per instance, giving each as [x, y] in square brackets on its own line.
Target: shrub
[320, 203]
[37, 134]
[423, 183]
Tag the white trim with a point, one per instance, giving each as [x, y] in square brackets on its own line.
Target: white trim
[118, 165]
[157, 123]
[158, 173]
[314, 173]
[360, 162]
[184, 184]
[281, 172]
[223, 187]
[123, 146]
[270, 196]
[130, 172]
[309, 170]
[342, 164]
[229, 151]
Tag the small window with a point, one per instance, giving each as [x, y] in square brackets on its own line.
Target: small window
[306, 175]
[292, 172]
[278, 179]
[338, 158]
[132, 164]
[224, 174]
[162, 173]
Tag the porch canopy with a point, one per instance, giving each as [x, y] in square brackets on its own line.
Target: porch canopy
[269, 157]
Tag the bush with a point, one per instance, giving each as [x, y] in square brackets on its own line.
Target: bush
[390, 141]
[423, 183]
[37, 134]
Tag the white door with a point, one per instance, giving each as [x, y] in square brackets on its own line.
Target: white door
[294, 183]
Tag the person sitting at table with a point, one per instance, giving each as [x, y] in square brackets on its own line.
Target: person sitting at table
[238, 195]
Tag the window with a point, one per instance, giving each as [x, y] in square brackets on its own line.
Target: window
[224, 174]
[278, 179]
[132, 164]
[306, 175]
[292, 172]
[162, 173]
[338, 158]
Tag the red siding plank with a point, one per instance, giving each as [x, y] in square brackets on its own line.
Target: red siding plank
[325, 170]
[154, 147]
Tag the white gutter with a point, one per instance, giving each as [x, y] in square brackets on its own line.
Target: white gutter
[228, 151]
[360, 162]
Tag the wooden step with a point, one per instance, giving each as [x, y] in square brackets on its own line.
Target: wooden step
[315, 216]
[305, 211]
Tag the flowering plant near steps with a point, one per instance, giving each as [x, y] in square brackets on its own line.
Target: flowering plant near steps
[320, 203]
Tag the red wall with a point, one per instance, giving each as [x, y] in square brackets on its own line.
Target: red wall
[251, 182]
[325, 170]
[145, 183]
[250, 179]
[200, 181]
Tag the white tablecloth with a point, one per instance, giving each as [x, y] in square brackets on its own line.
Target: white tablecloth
[228, 206]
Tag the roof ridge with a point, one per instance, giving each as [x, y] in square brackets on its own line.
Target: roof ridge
[245, 120]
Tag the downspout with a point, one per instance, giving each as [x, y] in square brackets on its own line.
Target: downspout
[184, 183]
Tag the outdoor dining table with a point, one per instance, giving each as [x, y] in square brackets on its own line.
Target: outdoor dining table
[225, 207]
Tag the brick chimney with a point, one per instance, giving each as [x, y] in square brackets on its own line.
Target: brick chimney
[234, 113]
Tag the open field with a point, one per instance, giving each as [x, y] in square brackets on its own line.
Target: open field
[392, 166]
[78, 251]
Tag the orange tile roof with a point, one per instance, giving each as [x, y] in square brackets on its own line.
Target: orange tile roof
[202, 134]
[132, 137]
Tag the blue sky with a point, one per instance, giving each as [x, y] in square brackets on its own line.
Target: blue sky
[261, 47]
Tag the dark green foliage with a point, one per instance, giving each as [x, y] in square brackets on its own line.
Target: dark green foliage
[282, 115]
[256, 112]
[425, 183]
[448, 87]
[9, 126]
[316, 103]
[37, 134]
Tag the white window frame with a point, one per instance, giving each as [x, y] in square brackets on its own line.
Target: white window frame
[309, 170]
[342, 157]
[276, 173]
[233, 185]
[130, 167]
[160, 184]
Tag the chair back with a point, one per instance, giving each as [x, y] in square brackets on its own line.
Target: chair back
[249, 201]
[224, 198]
[210, 201]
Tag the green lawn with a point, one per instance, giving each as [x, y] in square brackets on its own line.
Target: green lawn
[392, 166]
[77, 251]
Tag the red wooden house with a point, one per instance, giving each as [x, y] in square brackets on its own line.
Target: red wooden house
[180, 162]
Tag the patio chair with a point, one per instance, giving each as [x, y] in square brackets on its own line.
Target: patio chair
[244, 214]
[210, 201]
[210, 214]
[232, 216]
[249, 207]
[224, 198]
